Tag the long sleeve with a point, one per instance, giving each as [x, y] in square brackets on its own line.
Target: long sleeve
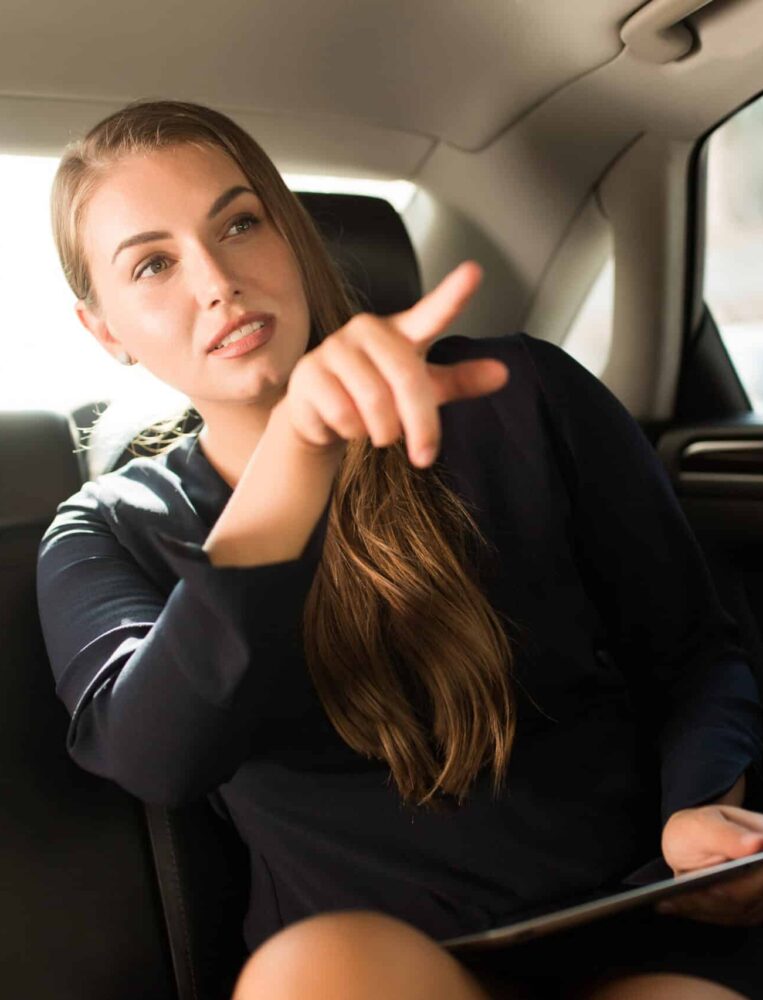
[645, 571]
[168, 694]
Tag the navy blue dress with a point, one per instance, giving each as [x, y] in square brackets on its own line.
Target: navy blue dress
[635, 698]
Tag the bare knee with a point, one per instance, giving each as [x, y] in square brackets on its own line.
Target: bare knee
[354, 954]
[661, 986]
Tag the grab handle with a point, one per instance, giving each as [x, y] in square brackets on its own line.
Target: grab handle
[655, 34]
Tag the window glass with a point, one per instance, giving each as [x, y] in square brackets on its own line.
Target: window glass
[734, 243]
[589, 336]
[49, 360]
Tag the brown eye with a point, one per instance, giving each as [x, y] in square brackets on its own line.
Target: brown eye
[243, 224]
[151, 267]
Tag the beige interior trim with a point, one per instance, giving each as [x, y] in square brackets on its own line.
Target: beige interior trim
[645, 197]
[438, 69]
[570, 274]
[655, 34]
[298, 143]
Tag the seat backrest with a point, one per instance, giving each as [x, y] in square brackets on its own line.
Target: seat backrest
[103, 897]
[80, 906]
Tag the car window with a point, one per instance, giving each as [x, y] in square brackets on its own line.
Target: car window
[734, 243]
[50, 361]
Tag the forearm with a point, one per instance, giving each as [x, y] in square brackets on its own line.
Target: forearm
[277, 502]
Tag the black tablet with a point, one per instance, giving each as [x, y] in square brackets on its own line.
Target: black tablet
[594, 907]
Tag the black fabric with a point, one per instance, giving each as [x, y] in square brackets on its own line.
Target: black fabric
[186, 680]
[79, 907]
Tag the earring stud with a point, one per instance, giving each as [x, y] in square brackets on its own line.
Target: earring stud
[124, 358]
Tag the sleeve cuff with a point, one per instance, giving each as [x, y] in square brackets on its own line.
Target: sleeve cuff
[242, 609]
[265, 585]
[185, 557]
[716, 737]
[711, 780]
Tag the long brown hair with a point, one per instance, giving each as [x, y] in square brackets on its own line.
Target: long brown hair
[411, 662]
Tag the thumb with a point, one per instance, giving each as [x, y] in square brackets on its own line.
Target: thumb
[752, 843]
[468, 379]
[733, 836]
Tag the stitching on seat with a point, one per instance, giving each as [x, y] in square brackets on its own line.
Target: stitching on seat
[176, 873]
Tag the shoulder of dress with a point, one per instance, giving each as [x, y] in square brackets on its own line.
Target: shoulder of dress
[143, 484]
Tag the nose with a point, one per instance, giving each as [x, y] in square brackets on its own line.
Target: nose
[213, 281]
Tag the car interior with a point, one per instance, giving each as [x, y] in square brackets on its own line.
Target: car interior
[576, 152]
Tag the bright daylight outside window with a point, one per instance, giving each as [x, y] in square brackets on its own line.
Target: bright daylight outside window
[734, 245]
[50, 360]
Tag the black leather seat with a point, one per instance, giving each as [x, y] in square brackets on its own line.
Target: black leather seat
[104, 898]
[81, 912]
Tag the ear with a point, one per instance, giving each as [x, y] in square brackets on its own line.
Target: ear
[97, 326]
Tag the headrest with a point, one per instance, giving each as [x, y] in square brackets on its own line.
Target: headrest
[368, 241]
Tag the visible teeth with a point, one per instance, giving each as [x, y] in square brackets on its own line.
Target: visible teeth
[243, 331]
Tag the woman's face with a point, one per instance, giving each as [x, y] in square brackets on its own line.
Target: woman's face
[176, 251]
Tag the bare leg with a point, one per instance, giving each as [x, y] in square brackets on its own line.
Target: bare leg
[660, 986]
[357, 955]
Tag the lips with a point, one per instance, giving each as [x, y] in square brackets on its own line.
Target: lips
[246, 343]
[236, 324]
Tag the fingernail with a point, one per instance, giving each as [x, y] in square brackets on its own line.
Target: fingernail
[425, 456]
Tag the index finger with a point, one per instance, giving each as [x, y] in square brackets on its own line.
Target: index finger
[425, 320]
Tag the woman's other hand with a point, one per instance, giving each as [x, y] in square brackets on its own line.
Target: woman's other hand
[709, 835]
[370, 377]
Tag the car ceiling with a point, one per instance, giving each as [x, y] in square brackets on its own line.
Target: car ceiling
[433, 69]
[358, 85]
[458, 71]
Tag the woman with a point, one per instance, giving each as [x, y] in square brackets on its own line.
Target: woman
[374, 631]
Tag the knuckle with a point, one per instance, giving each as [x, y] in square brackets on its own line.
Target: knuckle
[376, 397]
[409, 378]
[389, 437]
[366, 324]
[343, 416]
[340, 413]
[358, 322]
[331, 347]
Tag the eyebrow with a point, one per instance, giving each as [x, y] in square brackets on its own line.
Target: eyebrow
[162, 234]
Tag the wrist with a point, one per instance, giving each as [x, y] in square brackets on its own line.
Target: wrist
[733, 797]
